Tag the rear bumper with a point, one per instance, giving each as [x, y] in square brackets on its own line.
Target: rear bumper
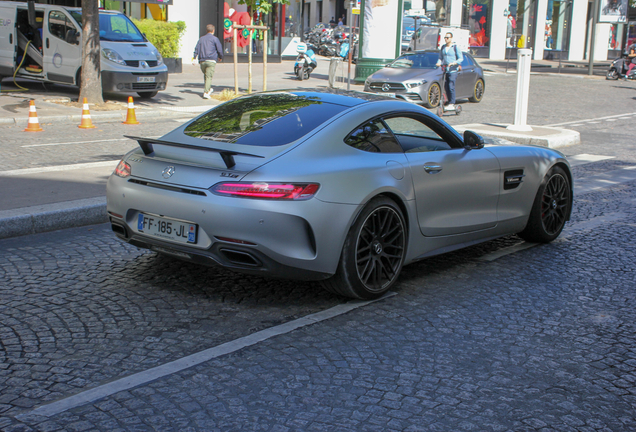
[296, 239]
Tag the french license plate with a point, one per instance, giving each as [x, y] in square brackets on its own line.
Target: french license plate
[168, 229]
[145, 79]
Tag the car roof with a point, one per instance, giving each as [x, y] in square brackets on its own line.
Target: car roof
[336, 96]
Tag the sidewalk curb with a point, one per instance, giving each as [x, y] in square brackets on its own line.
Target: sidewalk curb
[51, 217]
[542, 136]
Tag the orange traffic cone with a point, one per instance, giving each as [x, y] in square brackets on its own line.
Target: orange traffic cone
[131, 118]
[86, 117]
[34, 124]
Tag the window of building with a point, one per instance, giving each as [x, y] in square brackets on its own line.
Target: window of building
[521, 23]
[557, 25]
[475, 17]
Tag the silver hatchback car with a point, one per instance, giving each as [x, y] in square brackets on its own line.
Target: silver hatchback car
[415, 77]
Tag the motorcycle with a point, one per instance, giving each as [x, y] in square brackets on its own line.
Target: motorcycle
[305, 62]
[618, 69]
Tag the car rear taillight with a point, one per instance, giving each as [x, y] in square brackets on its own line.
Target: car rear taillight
[122, 170]
[277, 191]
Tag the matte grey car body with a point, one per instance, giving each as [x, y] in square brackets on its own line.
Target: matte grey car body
[381, 181]
[414, 77]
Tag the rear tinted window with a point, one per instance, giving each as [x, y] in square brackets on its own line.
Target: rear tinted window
[263, 120]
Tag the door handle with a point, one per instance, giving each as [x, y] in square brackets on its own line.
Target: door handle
[432, 168]
[47, 42]
[11, 39]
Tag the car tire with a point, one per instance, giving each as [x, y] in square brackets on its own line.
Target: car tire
[478, 91]
[434, 96]
[551, 208]
[373, 252]
[147, 95]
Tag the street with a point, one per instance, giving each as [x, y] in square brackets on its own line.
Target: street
[502, 336]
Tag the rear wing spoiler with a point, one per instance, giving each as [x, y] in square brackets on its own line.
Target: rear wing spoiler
[226, 155]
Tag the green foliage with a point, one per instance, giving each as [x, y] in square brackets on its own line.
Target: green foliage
[165, 36]
[263, 6]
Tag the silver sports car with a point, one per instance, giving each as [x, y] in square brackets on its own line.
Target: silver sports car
[415, 77]
[336, 186]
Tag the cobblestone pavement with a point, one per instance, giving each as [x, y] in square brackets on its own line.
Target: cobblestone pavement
[538, 339]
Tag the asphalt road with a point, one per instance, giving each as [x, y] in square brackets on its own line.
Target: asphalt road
[500, 336]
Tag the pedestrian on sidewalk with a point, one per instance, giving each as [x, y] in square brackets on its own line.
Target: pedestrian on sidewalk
[451, 57]
[208, 50]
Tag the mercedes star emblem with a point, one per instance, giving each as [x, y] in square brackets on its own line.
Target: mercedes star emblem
[386, 87]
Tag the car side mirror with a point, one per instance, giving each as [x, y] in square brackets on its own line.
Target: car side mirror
[472, 141]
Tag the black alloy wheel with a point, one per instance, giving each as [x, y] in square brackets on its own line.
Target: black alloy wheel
[373, 253]
[478, 92]
[554, 204]
[551, 208]
[434, 96]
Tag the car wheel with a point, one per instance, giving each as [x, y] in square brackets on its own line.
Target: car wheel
[478, 92]
[434, 96]
[550, 209]
[611, 74]
[373, 252]
[147, 95]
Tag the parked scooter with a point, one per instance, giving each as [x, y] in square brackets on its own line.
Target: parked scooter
[618, 69]
[305, 62]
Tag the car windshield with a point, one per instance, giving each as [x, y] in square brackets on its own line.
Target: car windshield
[114, 27]
[417, 61]
[263, 120]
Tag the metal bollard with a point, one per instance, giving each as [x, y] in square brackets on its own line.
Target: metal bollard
[524, 61]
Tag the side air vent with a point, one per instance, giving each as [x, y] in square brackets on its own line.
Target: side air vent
[512, 179]
[166, 187]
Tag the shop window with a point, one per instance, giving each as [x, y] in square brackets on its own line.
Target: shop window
[631, 33]
[557, 27]
[521, 23]
[615, 37]
[476, 18]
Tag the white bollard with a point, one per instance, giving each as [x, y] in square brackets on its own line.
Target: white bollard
[524, 60]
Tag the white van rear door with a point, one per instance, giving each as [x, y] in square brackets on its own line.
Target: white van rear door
[62, 51]
[7, 40]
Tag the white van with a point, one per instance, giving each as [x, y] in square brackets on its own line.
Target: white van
[44, 44]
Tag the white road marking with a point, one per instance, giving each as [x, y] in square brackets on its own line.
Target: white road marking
[582, 186]
[591, 120]
[568, 231]
[604, 180]
[149, 375]
[27, 171]
[584, 158]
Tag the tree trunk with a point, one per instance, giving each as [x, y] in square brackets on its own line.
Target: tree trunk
[91, 78]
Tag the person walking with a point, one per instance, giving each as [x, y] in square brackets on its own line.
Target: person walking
[208, 50]
[451, 57]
